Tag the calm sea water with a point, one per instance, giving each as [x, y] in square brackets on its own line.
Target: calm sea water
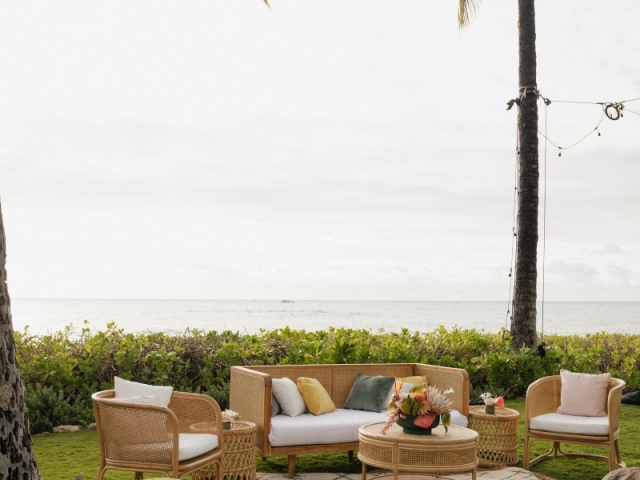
[247, 316]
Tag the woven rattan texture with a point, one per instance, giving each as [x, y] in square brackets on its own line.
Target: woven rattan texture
[543, 396]
[381, 453]
[445, 378]
[144, 438]
[498, 435]
[238, 459]
[251, 393]
[440, 452]
[417, 458]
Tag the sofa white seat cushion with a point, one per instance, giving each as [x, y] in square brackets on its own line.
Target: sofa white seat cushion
[191, 445]
[339, 426]
[572, 424]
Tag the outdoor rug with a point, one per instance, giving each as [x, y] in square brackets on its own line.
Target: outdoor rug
[510, 473]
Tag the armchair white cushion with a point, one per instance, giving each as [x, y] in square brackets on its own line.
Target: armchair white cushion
[191, 445]
[574, 424]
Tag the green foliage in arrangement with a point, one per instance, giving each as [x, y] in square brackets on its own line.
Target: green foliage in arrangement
[63, 368]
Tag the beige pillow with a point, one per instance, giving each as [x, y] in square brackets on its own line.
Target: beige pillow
[315, 396]
[583, 394]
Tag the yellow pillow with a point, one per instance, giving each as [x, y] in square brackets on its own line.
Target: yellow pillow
[416, 380]
[315, 396]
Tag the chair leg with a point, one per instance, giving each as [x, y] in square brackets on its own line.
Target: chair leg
[618, 457]
[292, 465]
[525, 460]
[350, 456]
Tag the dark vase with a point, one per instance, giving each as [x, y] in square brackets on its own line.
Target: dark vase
[411, 428]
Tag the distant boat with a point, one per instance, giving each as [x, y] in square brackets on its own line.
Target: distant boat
[287, 301]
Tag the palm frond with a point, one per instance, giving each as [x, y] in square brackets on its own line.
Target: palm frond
[466, 11]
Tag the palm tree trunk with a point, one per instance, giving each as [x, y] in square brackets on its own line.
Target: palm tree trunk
[523, 325]
[17, 459]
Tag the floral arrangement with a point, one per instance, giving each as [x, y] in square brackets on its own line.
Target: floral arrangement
[490, 400]
[424, 403]
[230, 416]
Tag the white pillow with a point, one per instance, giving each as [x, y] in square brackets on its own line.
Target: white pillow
[583, 394]
[143, 400]
[127, 389]
[406, 388]
[288, 396]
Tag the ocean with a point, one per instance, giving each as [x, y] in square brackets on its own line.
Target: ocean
[43, 316]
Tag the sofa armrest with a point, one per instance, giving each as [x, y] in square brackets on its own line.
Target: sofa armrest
[250, 396]
[445, 378]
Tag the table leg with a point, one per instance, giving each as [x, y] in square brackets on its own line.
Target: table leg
[364, 471]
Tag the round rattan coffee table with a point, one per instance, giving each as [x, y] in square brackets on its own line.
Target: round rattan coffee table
[440, 452]
[239, 457]
[498, 432]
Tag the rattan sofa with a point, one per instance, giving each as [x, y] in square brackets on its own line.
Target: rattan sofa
[251, 391]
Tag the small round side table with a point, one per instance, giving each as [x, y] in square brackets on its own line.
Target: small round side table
[238, 445]
[497, 444]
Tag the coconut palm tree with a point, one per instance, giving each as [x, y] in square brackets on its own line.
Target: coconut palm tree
[523, 324]
[17, 459]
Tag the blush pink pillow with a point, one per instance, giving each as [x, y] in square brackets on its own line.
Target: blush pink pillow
[583, 394]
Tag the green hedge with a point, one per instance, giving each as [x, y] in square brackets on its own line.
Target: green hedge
[61, 370]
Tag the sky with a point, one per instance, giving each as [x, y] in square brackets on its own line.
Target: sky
[335, 149]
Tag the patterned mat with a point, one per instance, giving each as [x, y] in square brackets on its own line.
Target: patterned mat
[510, 473]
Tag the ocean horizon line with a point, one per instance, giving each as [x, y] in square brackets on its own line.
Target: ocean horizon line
[288, 299]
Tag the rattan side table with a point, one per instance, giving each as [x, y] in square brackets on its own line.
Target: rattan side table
[498, 432]
[239, 457]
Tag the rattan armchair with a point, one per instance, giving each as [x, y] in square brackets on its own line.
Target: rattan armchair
[543, 397]
[147, 438]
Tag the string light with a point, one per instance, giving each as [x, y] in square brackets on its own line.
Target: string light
[612, 110]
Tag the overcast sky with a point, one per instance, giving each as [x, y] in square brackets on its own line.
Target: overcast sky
[334, 149]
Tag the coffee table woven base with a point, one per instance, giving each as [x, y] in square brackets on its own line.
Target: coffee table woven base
[440, 452]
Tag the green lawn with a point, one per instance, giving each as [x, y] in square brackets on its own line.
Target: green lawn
[62, 456]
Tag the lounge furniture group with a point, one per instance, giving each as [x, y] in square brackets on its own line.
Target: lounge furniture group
[146, 428]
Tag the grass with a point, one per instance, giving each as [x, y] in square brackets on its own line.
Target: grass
[62, 456]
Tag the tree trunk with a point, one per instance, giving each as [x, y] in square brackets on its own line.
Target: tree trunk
[17, 459]
[523, 324]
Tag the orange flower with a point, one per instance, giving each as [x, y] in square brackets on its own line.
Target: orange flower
[420, 396]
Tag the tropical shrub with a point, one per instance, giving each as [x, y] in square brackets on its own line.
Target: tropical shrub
[63, 368]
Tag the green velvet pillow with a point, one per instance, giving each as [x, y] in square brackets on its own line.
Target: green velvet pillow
[369, 393]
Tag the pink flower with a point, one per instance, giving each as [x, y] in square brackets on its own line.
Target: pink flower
[425, 420]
